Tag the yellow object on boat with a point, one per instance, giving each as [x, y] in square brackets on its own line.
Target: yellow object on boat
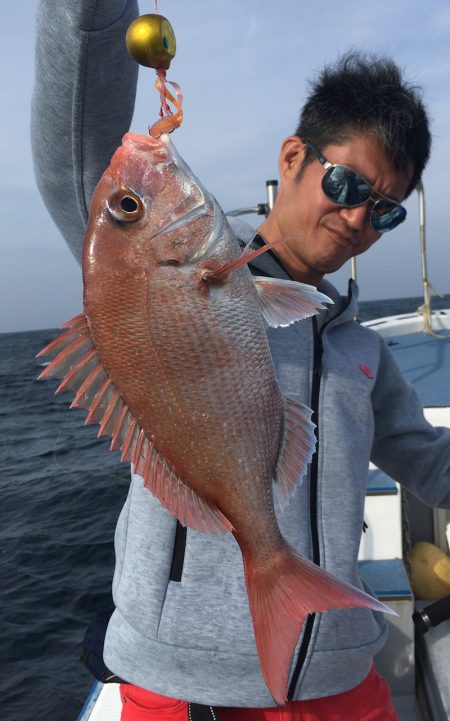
[430, 571]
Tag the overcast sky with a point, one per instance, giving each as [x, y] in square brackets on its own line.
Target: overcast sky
[244, 67]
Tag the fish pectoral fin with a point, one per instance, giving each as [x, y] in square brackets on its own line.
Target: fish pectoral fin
[81, 369]
[284, 302]
[297, 449]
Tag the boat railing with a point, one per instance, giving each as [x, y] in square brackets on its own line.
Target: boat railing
[426, 309]
[260, 208]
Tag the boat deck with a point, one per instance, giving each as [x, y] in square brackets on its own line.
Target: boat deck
[425, 362]
[424, 359]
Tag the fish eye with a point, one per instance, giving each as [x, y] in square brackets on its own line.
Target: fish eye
[125, 206]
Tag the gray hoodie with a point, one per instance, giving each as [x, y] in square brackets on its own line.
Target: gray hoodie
[182, 626]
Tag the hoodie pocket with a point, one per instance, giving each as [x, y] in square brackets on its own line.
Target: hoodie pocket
[208, 609]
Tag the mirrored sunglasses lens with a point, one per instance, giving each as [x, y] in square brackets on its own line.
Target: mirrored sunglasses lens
[386, 216]
[345, 187]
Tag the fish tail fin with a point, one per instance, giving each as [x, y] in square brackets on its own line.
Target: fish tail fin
[282, 593]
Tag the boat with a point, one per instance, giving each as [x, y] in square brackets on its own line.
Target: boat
[416, 658]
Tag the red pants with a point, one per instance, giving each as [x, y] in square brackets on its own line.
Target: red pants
[370, 701]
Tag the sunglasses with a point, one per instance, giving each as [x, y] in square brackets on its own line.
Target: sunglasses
[347, 188]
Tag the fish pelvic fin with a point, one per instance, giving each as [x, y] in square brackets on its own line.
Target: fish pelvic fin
[297, 449]
[79, 365]
[282, 593]
[283, 302]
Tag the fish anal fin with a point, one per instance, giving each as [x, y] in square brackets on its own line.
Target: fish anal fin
[283, 302]
[297, 449]
[281, 595]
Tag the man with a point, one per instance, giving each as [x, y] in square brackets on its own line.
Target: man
[181, 628]
[345, 118]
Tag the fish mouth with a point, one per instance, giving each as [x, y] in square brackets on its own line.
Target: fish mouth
[197, 204]
[146, 143]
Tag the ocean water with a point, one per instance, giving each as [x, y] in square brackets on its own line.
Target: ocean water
[61, 493]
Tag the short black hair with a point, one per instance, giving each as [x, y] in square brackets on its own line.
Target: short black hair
[367, 93]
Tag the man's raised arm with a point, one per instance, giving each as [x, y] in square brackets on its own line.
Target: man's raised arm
[83, 101]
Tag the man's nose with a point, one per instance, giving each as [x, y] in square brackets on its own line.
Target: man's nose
[355, 218]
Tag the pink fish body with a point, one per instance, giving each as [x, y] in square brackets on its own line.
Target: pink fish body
[171, 358]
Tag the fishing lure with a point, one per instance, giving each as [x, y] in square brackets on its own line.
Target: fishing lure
[150, 39]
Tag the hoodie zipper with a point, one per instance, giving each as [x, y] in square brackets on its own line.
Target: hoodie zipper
[313, 498]
[313, 487]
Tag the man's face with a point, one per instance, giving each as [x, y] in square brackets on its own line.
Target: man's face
[322, 236]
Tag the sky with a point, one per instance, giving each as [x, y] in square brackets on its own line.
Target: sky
[244, 66]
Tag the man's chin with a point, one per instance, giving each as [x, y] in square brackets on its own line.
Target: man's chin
[325, 267]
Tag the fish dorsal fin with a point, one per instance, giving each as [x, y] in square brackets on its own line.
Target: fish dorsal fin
[80, 367]
[297, 449]
[283, 302]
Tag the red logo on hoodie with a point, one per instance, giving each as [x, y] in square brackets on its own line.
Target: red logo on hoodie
[367, 372]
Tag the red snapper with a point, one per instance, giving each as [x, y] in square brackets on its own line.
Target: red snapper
[171, 358]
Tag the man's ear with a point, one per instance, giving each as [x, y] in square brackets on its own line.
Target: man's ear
[292, 152]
